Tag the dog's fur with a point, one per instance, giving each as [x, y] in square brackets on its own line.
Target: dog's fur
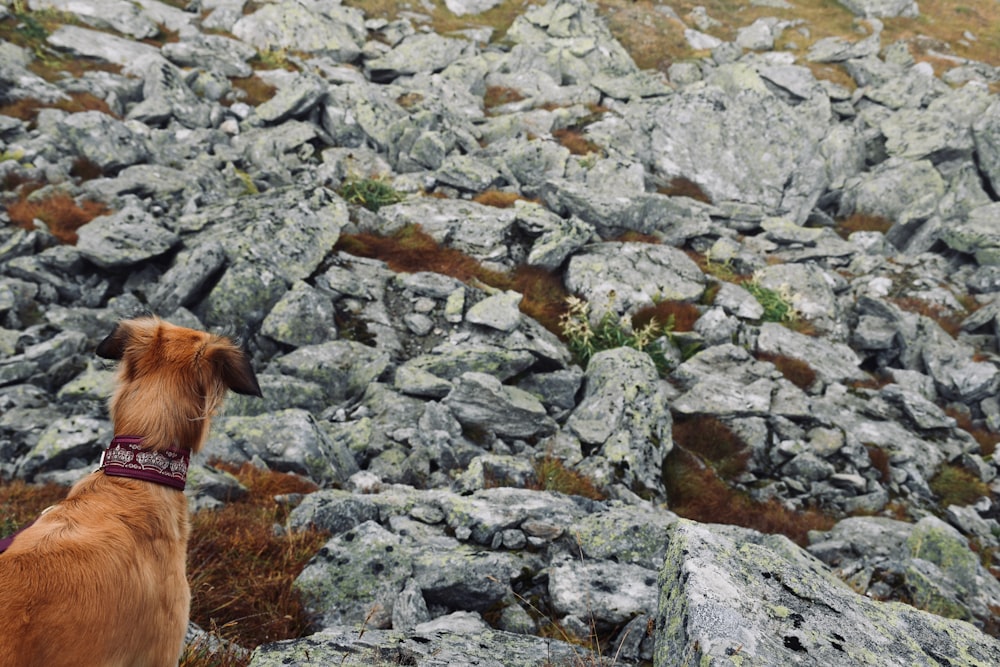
[100, 578]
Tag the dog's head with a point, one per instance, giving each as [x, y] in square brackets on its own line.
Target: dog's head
[171, 380]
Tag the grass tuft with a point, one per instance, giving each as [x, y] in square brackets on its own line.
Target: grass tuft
[372, 193]
[957, 486]
[551, 474]
[585, 339]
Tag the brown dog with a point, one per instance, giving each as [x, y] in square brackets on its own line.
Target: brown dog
[100, 578]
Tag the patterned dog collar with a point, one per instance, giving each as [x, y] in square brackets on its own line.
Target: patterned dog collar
[125, 457]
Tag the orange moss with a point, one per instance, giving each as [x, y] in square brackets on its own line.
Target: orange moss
[411, 249]
[682, 314]
[880, 461]
[946, 318]
[987, 439]
[498, 199]
[696, 492]
[60, 212]
[796, 371]
[27, 108]
[496, 96]
[636, 237]
[861, 222]
[241, 573]
[551, 474]
[257, 91]
[575, 141]
[709, 438]
[85, 170]
[684, 187]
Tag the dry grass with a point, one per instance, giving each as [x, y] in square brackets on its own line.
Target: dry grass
[411, 250]
[21, 503]
[577, 144]
[27, 108]
[499, 199]
[957, 486]
[256, 90]
[684, 187]
[241, 572]
[497, 96]
[710, 439]
[696, 492]
[880, 461]
[946, 318]
[551, 474]
[861, 222]
[62, 214]
[987, 439]
[681, 315]
[796, 371]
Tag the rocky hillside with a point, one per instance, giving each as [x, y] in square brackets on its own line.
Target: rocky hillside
[783, 315]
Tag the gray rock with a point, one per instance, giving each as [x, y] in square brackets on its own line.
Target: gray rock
[624, 590]
[481, 401]
[324, 29]
[499, 311]
[303, 316]
[356, 577]
[492, 648]
[986, 136]
[186, 279]
[420, 52]
[67, 443]
[99, 138]
[882, 8]
[712, 605]
[622, 277]
[342, 367]
[166, 96]
[333, 511]
[624, 416]
[449, 361]
[726, 117]
[124, 238]
[216, 53]
[975, 235]
[289, 441]
[121, 16]
[833, 362]
[294, 98]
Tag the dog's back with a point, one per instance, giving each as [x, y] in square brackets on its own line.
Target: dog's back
[100, 578]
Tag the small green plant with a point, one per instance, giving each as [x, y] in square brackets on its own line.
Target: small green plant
[777, 308]
[585, 339]
[372, 193]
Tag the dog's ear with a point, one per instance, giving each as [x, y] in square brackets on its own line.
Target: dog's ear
[235, 370]
[113, 347]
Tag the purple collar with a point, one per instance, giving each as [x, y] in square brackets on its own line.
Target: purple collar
[125, 457]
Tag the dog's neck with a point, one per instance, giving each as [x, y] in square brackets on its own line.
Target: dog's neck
[126, 457]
